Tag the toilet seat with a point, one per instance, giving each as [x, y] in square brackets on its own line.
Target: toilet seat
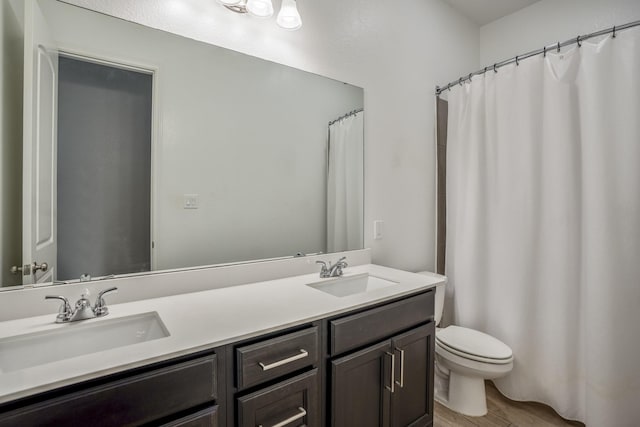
[474, 345]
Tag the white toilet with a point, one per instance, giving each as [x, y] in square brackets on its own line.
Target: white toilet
[465, 358]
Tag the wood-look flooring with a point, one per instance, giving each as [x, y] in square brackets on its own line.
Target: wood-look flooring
[502, 412]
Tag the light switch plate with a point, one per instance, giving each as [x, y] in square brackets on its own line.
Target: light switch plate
[191, 201]
[377, 229]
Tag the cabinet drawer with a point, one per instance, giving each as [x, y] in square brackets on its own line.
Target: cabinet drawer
[373, 325]
[290, 403]
[276, 357]
[206, 418]
[135, 400]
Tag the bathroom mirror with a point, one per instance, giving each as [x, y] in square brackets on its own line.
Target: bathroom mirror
[145, 151]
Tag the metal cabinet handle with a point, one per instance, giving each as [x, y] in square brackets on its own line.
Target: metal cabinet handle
[303, 353]
[392, 383]
[401, 382]
[301, 414]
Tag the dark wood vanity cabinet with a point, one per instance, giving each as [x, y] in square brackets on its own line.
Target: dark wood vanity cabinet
[389, 383]
[358, 392]
[180, 393]
[207, 417]
[276, 357]
[365, 390]
[370, 367]
[277, 379]
[412, 399]
[291, 402]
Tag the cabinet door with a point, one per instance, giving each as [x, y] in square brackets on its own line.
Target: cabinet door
[292, 402]
[412, 399]
[205, 418]
[361, 384]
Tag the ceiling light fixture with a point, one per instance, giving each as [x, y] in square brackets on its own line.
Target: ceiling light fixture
[260, 8]
[288, 17]
[237, 6]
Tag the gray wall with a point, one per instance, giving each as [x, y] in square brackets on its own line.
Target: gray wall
[104, 170]
[11, 77]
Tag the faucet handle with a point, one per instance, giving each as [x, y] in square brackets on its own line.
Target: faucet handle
[336, 269]
[324, 271]
[64, 312]
[100, 308]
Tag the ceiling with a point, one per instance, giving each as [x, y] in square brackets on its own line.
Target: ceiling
[484, 11]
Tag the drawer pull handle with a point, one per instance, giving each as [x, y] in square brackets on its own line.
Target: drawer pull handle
[391, 387]
[401, 382]
[301, 414]
[303, 353]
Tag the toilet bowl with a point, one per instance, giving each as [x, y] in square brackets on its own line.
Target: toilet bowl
[465, 358]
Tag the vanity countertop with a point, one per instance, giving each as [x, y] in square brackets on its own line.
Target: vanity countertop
[202, 320]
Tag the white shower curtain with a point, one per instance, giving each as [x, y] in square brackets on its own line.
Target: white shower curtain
[543, 224]
[345, 184]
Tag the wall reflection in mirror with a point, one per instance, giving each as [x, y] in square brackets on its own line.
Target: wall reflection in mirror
[136, 150]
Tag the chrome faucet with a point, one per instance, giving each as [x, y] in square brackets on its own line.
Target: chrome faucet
[334, 270]
[82, 309]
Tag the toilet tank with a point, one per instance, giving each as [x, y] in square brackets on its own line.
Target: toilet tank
[439, 298]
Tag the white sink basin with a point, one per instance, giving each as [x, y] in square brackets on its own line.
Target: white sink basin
[351, 285]
[77, 339]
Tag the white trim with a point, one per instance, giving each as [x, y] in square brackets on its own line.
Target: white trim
[112, 62]
[156, 143]
[27, 136]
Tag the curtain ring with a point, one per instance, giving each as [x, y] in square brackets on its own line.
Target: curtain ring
[558, 47]
[614, 31]
[449, 87]
[578, 41]
[544, 52]
[460, 81]
[517, 61]
[470, 75]
[495, 68]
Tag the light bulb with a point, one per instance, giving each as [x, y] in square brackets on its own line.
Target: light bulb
[289, 18]
[261, 8]
[230, 2]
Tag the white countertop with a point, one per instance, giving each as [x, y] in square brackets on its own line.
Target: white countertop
[202, 320]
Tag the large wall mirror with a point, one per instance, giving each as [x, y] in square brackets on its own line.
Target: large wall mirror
[128, 150]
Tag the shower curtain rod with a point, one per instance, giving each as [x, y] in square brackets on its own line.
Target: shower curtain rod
[349, 114]
[578, 40]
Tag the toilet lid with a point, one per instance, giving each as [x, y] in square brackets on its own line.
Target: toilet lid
[474, 343]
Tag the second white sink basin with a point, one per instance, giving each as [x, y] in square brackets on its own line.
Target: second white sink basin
[78, 338]
[351, 285]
